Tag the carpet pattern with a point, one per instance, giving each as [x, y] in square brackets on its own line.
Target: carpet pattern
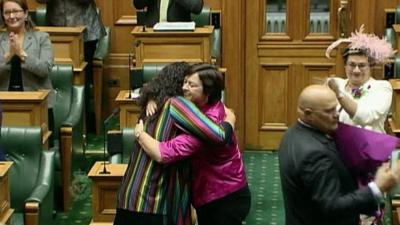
[261, 170]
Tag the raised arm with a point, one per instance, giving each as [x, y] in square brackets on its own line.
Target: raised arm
[374, 105]
[180, 147]
[193, 121]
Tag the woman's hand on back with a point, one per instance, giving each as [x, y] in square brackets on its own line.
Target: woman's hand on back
[151, 108]
[230, 117]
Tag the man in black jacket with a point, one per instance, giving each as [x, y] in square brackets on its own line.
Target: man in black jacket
[168, 10]
[317, 186]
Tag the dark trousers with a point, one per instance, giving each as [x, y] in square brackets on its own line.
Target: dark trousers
[126, 217]
[229, 210]
[89, 50]
[50, 118]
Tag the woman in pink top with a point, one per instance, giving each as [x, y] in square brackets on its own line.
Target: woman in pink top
[220, 192]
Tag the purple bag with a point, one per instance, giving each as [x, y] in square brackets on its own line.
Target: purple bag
[363, 151]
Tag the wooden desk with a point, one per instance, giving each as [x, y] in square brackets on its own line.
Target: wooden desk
[129, 114]
[104, 191]
[166, 47]
[26, 108]
[5, 210]
[394, 122]
[68, 48]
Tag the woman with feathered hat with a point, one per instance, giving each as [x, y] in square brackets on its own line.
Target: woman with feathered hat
[364, 101]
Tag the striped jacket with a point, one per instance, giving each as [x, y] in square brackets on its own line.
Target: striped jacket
[150, 187]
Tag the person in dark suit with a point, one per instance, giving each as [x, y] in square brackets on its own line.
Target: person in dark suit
[72, 13]
[317, 186]
[174, 10]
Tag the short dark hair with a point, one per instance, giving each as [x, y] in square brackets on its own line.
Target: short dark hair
[363, 52]
[212, 80]
[29, 25]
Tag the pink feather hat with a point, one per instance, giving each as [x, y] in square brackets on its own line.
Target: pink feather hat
[377, 48]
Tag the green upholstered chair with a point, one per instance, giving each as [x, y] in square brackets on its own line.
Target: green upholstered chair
[397, 67]
[397, 16]
[68, 128]
[128, 146]
[31, 175]
[204, 19]
[394, 195]
[38, 16]
[102, 51]
[140, 76]
[390, 36]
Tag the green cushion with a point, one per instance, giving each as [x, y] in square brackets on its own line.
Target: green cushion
[128, 146]
[150, 71]
[40, 16]
[61, 78]
[395, 192]
[23, 146]
[390, 36]
[103, 46]
[398, 14]
[216, 43]
[397, 67]
[202, 19]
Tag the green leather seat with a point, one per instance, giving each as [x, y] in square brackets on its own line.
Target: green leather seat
[394, 195]
[143, 75]
[38, 16]
[390, 36]
[397, 14]
[128, 146]
[103, 46]
[68, 127]
[31, 175]
[397, 67]
[204, 19]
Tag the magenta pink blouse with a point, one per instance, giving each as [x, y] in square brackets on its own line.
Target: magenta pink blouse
[216, 170]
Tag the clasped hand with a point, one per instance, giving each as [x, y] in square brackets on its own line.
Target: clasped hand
[15, 44]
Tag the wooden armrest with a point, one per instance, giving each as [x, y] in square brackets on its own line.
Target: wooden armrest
[393, 128]
[32, 213]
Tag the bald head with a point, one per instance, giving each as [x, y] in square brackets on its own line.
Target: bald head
[317, 107]
[315, 95]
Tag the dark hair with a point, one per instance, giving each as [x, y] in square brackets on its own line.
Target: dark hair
[167, 84]
[363, 52]
[212, 80]
[29, 25]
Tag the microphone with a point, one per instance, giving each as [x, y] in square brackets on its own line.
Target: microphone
[129, 75]
[137, 43]
[105, 123]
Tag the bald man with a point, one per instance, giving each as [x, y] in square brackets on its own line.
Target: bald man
[317, 187]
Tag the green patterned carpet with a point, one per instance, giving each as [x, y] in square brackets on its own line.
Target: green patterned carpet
[263, 176]
[262, 172]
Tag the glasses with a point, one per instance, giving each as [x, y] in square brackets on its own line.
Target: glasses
[360, 66]
[12, 11]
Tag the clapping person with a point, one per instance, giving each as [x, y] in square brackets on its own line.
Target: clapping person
[363, 101]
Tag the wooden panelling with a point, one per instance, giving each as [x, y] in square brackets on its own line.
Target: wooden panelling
[166, 47]
[273, 101]
[233, 59]
[214, 4]
[120, 16]
[104, 191]
[5, 210]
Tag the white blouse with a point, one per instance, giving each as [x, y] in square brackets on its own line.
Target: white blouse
[372, 106]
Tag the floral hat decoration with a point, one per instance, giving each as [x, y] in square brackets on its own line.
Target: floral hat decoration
[375, 48]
